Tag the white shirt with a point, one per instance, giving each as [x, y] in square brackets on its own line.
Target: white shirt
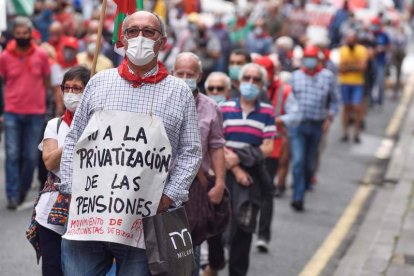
[46, 200]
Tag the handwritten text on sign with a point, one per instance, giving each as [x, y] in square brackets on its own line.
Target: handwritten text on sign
[121, 164]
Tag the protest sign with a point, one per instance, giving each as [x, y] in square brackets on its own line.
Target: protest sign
[120, 166]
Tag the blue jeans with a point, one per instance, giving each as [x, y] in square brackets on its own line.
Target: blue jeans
[22, 133]
[90, 258]
[304, 143]
[379, 83]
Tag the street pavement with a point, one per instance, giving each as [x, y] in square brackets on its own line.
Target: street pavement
[296, 236]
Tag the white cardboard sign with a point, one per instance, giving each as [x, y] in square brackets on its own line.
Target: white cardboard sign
[120, 166]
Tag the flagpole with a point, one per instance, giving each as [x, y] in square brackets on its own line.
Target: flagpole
[99, 41]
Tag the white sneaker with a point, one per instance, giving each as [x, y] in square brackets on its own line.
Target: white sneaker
[262, 246]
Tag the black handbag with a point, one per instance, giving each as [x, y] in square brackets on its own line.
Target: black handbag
[168, 243]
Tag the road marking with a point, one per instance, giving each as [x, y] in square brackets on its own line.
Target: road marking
[319, 261]
[331, 244]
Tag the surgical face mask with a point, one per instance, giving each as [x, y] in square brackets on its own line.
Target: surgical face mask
[234, 71]
[69, 54]
[140, 50]
[192, 83]
[310, 62]
[218, 98]
[71, 101]
[249, 91]
[91, 48]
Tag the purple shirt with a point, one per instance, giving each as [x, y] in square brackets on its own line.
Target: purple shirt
[210, 122]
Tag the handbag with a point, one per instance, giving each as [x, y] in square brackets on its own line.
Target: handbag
[168, 243]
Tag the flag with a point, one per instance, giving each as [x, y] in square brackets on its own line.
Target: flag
[3, 22]
[20, 7]
[124, 8]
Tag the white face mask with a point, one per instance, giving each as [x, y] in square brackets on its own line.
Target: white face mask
[71, 101]
[140, 50]
[91, 48]
[192, 83]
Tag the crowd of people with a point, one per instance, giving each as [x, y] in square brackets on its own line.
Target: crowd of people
[243, 96]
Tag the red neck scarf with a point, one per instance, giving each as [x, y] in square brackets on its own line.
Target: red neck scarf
[137, 80]
[67, 117]
[62, 62]
[312, 72]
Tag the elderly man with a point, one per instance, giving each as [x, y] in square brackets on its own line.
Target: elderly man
[218, 87]
[188, 67]
[158, 118]
[25, 71]
[315, 90]
[249, 129]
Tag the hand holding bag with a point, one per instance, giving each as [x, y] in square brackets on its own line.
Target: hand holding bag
[168, 243]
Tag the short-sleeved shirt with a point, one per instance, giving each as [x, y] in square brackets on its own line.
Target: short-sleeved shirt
[381, 39]
[348, 56]
[241, 130]
[24, 89]
[47, 200]
[210, 122]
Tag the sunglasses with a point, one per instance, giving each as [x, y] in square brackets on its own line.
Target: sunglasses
[218, 88]
[75, 89]
[248, 78]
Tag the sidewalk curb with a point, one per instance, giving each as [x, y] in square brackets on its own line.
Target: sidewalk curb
[342, 236]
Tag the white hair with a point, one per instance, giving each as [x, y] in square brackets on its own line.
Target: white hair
[226, 79]
[22, 21]
[255, 66]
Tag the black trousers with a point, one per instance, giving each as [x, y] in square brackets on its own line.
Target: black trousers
[216, 252]
[266, 210]
[50, 250]
[239, 252]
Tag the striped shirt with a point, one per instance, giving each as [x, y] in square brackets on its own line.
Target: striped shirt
[170, 99]
[316, 95]
[241, 130]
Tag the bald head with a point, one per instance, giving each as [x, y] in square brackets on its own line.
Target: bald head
[187, 66]
[152, 20]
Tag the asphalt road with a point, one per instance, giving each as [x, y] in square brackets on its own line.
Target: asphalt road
[296, 236]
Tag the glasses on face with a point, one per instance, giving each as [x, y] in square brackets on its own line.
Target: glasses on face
[75, 89]
[146, 32]
[218, 88]
[255, 79]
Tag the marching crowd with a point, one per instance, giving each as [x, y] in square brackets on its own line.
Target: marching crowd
[243, 97]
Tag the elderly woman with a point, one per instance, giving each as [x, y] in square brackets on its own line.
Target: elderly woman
[44, 236]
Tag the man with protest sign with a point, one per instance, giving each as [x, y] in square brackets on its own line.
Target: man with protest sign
[134, 127]
[188, 67]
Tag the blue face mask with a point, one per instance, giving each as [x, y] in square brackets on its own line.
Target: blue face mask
[192, 83]
[310, 62]
[249, 91]
[234, 71]
[218, 98]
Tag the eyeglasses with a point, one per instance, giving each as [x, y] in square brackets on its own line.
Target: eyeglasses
[146, 32]
[75, 89]
[255, 79]
[218, 88]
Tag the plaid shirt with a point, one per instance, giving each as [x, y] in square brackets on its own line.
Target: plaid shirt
[316, 95]
[171, 100]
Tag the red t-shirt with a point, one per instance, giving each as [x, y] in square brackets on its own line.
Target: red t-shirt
[24, 89]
